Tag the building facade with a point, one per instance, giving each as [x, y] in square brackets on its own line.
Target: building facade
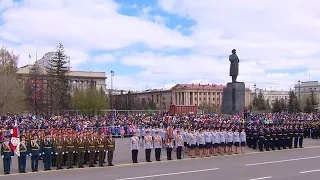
[77, 79]
[303, 89]
[187, 94]
[270, 96]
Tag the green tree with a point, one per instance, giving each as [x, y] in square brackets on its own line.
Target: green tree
[276, 106]
[12, 95]
[130, 101]
[34, 89]
[144, 104]
[208, 108]
[311, 103]
[259, 102]
[283, 104]
[293, 103]
[89, 101]
[59, 84]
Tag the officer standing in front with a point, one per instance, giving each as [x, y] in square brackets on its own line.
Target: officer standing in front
[35, 153]
[6, 154]
[179, 144]
[24, 152]
[101, 149]
[135, 145]
[111, 146]
[59, 149]
[148, 145]
[157, 146]
[301, 136]
[47, 150]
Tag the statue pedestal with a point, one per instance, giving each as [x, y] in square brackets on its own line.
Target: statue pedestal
[233, 99]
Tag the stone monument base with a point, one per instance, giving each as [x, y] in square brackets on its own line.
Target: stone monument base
[233, 99]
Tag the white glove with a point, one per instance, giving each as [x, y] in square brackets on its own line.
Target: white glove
[74, 152]
[98, 151]
[104, 150]
[11, 156]
[62, 153]
[27, 155]
[56, 153]
[2, 156]
[66, 152]
[30, 154]
[40, 154]
[51, 152]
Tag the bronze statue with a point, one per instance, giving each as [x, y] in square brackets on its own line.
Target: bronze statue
[234, 66]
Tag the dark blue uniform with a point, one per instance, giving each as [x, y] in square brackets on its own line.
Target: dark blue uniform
[47, 151]
[6, 154]
[35, 154]
[24, 152]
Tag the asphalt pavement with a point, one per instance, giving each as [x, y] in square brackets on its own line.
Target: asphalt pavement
[293, 164]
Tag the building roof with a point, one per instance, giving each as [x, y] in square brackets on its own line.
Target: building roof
[86, 74]
[199, 86]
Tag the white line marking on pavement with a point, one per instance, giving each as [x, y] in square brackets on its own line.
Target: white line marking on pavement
[268, 177]
[303, 172]
[169, 174]
[280, 161]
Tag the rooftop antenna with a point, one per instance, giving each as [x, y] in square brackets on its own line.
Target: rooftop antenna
[309, 76]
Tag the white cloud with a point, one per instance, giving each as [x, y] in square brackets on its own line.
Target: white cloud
[274, 39]
[83, 26]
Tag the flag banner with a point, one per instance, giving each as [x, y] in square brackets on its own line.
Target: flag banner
[15, 140]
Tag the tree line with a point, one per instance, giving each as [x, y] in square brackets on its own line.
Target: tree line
[127, 101]
[45, 90]
[293, 104]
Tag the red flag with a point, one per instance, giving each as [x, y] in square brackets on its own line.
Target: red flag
[15, 140]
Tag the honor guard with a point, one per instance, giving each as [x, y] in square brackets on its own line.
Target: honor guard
[81, 149]
[157, 145]
[53, 156]
[273, 138]
[236, 140]
[47, 150]
[243, 138]
[296, 136]
[254, 137]
[261, 139]
[101, 145]
[301, 135]
[6, 154]
[91, 150]
[24, 152]
[135, 145]
[169, 147]
[267, 138]
[290, 136]
[111, 146]
[148, 145]
[179, 144]
[284, 137]
[35, 153]
[59, 149]
[70, 151]
[279, 137]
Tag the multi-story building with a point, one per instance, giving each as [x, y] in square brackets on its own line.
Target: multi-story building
[303, 89]
[77, 79]
[187, 94]
[270, 96]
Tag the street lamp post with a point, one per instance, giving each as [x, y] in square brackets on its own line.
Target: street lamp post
[299, 84]
[111, 90]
